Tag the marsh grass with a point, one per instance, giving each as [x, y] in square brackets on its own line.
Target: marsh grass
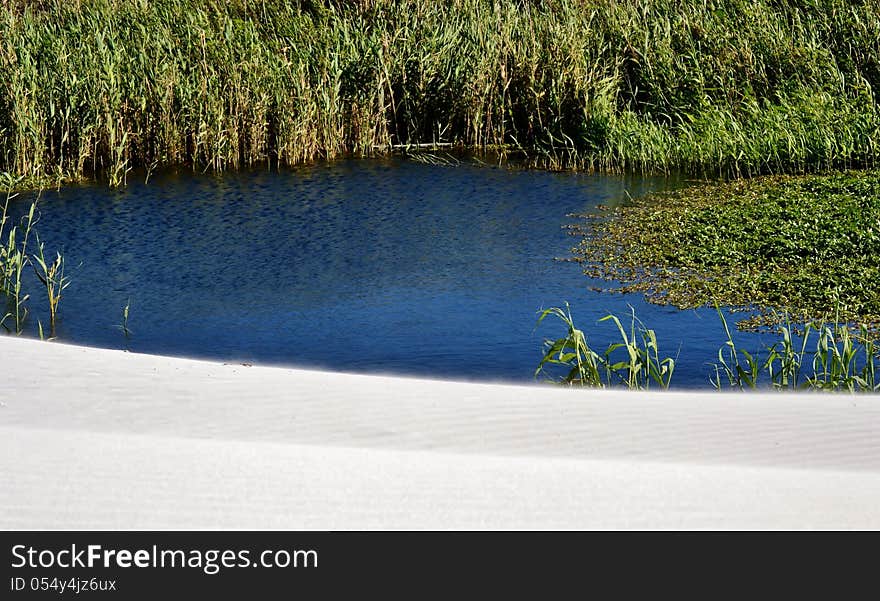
[634, 362]
[739, 367]
[828, 357]
[836, 362]
[840, 359]
[51, 275]
[13, 262]
[641, 365]
[15, 257]
[739, 87]
[584, 366]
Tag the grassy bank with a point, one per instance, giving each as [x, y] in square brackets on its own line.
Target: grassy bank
[734, 88]
[807, 245]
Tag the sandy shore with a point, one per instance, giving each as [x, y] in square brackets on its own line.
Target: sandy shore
[91, 438]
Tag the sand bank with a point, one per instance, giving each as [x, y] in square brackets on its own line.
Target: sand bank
[92, 438]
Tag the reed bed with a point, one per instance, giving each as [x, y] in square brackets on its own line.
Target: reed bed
[734, 88]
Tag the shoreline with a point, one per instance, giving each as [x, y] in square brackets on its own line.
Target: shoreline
[96, 438]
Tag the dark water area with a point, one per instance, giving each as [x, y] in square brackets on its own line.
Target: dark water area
[380, 266]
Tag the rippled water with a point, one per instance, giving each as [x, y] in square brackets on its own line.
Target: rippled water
[373, 266]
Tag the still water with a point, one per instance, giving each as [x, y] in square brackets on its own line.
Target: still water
[368, 266]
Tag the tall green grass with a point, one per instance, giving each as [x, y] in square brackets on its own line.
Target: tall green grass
[839, 360]
[50, 273]
[734, 87]
[14, 260]
[835, 359]
[16, 255]
[634, 362]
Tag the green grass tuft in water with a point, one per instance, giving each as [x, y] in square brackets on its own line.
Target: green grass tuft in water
[829, 356]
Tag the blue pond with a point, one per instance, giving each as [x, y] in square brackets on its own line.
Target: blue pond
[369, 266]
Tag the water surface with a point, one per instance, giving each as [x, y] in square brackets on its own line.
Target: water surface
[367, 266]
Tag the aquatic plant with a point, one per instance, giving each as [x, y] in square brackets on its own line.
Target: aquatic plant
[585, 366]
[640, 366]
[51, 275]
[807, 246]
[836, 360]
[124, 325]
[740, 368]
[841, 361]
[738, 87]
[14, 260]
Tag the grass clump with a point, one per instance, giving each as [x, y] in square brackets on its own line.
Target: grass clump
[13, 262]
[50, 273]
[639, 366]
[737, 87]
[807, 246]
[839, 360]
[15, 257]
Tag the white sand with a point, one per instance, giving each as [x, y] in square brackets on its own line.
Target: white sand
[92, 438]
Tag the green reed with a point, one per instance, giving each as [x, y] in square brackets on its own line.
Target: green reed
[739, 367]
[585, 366]
[14, 261]
[838, 359]
[51, 275]
[639, 366]
[841, 361]
[735, 87]
[124, 325]
[836, 362]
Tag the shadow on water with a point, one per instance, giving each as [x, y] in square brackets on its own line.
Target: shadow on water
[372, 266]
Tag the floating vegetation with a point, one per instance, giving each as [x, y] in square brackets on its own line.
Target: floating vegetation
[806, 246]
[733, 88]
[839, 360]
